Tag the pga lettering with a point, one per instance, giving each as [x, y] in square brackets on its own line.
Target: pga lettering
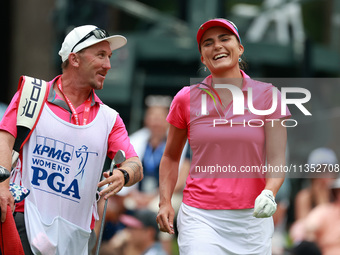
[238, 100]
[55, 181]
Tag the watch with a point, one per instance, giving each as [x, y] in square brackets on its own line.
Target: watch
[126, 175]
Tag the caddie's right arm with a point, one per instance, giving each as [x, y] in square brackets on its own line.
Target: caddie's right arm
[6, 145]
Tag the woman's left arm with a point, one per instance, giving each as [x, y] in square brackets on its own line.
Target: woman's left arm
[276, 139]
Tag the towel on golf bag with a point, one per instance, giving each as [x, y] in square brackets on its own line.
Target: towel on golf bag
[10, 242]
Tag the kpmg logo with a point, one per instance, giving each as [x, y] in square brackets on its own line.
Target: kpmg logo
[53, 153]
[239, 105]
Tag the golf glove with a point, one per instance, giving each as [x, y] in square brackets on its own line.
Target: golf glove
[265, 205]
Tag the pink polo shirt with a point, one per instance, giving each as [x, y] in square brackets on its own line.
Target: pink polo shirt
[118, 138]
[225, 146]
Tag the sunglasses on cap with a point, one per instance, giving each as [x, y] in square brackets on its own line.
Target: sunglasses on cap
[98, 33]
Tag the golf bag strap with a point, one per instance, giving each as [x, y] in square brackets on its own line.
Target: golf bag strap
[33, 95]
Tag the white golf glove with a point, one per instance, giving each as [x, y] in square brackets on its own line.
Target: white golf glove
[265, 205]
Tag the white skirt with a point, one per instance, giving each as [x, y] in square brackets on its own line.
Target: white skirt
[227, 232]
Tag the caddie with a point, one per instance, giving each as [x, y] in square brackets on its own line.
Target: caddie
[62, 161]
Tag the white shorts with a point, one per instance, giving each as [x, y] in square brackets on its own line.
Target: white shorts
[227, 232]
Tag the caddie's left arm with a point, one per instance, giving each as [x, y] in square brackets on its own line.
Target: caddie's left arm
[131, 169]
[276, 139]
[134, 171]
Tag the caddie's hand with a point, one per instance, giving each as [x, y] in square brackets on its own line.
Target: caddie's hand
[165, 218]
[115, 183]
[6, 198]
[265, 205]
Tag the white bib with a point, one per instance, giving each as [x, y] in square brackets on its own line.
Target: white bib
[62, 165]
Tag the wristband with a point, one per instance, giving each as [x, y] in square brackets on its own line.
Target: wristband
[126, 175]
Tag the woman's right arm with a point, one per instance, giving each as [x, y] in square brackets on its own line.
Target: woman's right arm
[168, 174]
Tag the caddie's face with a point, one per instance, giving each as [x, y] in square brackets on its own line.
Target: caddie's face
[220, 50]
[95, 63]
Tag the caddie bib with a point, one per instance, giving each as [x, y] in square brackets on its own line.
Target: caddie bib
[62, 165]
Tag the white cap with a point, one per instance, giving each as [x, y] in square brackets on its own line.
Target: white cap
[78, 33]
[322, 155]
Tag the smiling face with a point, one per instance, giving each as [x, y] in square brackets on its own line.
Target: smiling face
[94, 64]
[220, 51]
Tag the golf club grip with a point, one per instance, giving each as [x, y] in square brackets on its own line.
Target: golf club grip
[101, 229]
[112, 165]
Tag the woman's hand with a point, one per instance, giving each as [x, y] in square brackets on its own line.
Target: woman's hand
[165, 218]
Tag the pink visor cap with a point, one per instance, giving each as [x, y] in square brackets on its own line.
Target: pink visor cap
[217, 23]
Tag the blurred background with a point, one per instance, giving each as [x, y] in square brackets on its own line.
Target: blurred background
[282, 39]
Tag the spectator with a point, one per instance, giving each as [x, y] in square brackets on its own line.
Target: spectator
[322, 224]
[139, 237]
[150, 143]
[315, 194]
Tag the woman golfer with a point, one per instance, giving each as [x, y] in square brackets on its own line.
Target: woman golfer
[234, 127]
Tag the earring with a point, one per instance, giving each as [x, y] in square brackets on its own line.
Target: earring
[205, 68]
[239, 59]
